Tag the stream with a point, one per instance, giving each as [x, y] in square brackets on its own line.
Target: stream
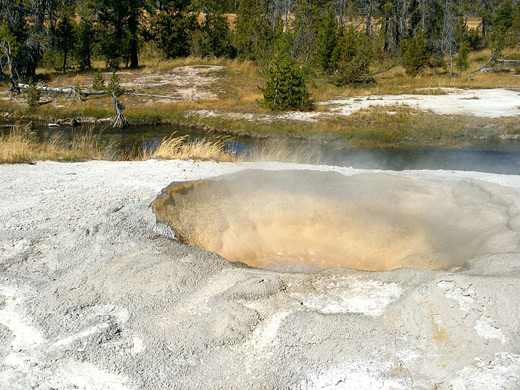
[492, 156]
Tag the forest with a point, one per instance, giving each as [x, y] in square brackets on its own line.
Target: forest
[343, 39]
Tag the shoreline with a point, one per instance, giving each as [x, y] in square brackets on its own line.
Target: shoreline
[488, 129]
[454, 117]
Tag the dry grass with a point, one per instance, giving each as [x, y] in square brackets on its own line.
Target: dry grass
[154, 64]
[395, 81]
[21, 144]
[183, 147]
[284, 151]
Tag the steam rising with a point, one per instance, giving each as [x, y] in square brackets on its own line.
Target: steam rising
[308, 220]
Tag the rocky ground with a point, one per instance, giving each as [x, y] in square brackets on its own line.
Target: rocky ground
[94, 294]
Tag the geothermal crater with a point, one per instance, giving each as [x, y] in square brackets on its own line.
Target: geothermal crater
[302, 220]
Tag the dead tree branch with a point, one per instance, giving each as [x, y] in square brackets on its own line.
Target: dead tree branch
[382, 70]
[156, 96]
[12, 74]
[120, 120]
[510, 62]
[483, 67]
[66, 90]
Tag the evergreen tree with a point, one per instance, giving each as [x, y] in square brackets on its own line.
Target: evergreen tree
[172, 27]
[13, 33]
[64, 36]
[327, 42]
[98, 82]
[213, 37]
[285, 87]
[119, 22]
[252, 33]
[463, 44]
[86, 36]
[41, 18]
[25, 33]
[307, 15]
[462, 59]
[351, 57]
[515, 26]
[416, 55]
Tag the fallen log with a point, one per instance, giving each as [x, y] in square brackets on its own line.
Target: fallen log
[156, 96]
[504, 61]
[79, 91]
[66, 90]
[382, 70]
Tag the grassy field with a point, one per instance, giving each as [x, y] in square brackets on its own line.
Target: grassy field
[224, 99]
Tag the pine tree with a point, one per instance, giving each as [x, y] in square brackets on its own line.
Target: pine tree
[416, 55]
[213, 37]
[86, 39]
[98, 82]
[172, 27]
[352, 57]
[464, 48]
[327, 42]
[252, 32]
[119, 22]
[65, 37]
[462, 59]
[285, 87]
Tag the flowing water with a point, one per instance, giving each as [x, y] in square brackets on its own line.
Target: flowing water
[493, 156]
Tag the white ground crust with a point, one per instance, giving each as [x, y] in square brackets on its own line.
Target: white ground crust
[489, 103]
[349, 295]
[95, 295]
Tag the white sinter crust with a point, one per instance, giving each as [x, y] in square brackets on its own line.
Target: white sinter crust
[94, 294]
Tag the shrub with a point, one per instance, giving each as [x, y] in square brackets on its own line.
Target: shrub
[98, 83]
[32, 95]
[462, 60]
[113, 85]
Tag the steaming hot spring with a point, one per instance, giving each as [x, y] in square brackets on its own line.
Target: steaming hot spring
[269, 284]
[302, 220]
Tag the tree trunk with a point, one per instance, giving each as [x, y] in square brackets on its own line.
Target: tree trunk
[286, 16]
[341, 11]
[120, 120]
[65, 52]
[134, 49]
[369, 18]
[30, 70]
[12, 73]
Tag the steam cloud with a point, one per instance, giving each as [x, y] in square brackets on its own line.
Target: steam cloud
[309, 220]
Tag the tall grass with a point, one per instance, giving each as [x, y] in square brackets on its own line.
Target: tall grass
[183, 147]
[21, 144]
[284, 151]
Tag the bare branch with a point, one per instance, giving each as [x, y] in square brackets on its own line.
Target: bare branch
[491, 59]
